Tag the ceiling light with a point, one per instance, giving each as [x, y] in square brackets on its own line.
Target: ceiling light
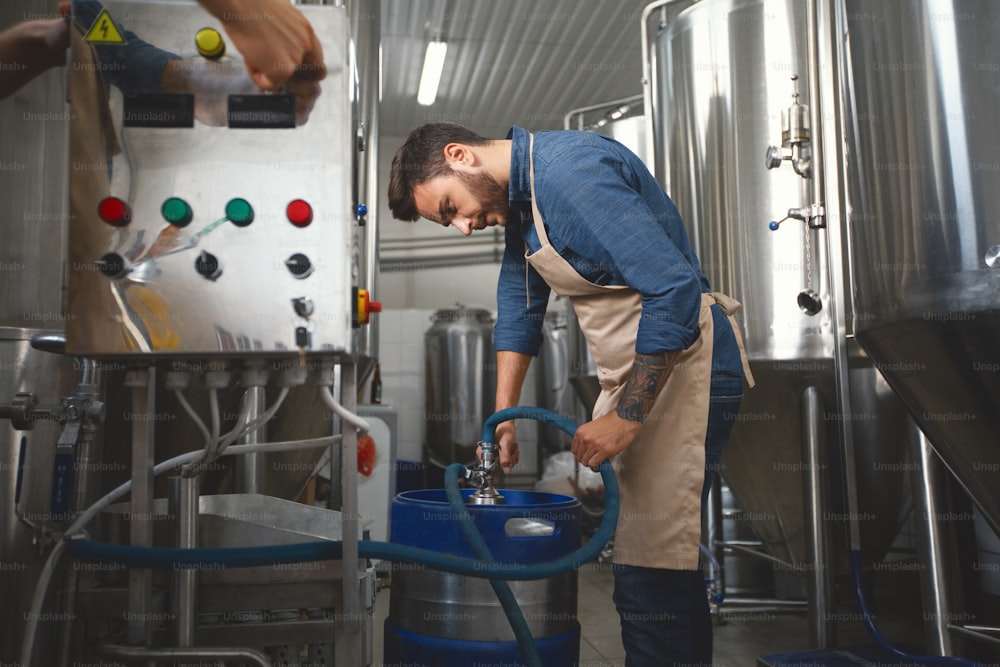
[431, 76]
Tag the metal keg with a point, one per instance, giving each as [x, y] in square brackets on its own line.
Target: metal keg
[437, 618]
[461, 380]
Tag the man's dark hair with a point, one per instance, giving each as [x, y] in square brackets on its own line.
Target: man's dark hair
[421, 158]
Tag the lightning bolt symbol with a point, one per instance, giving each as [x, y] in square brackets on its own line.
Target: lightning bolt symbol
[104, 28]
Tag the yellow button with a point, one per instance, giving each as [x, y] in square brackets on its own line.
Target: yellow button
[210, 43]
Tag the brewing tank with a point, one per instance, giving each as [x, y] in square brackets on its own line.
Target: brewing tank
[723, 80]
[461, 380]
[922, 130]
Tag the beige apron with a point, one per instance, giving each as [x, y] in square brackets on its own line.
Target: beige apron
[661, 473]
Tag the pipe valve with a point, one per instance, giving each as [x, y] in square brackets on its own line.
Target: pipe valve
[811, 215]
[795, 137]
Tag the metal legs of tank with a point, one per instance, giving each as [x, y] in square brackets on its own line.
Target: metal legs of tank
[819, 585]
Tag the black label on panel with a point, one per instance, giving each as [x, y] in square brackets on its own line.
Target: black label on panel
[159, 110]
[260, 112]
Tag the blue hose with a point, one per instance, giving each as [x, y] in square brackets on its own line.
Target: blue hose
[486, 567]
[880, 639]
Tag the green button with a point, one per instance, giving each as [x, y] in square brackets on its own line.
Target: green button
[239, 212]
[177, 212]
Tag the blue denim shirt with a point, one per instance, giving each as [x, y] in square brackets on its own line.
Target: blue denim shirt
[607, 216]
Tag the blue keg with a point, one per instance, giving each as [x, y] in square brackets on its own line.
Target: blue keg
[442, 619]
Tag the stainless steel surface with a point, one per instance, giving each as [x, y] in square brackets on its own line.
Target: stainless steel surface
[34, 145]
[922, 98]
[366, 19]
[461, 381]
[251, 471]
[184, 507]
[552, 370]
[216, 654]
[818, 547]
[49, 377]
[720, 81]
[936, 587]
[161, 304]
[453, 606]
[349, 636]
[142, 382]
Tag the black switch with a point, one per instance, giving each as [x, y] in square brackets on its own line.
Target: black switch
[207, 265]
[112, 265]
[299, 265]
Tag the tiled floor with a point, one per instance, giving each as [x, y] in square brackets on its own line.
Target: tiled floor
[737, 642]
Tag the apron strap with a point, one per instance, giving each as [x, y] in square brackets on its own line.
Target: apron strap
[729, 306]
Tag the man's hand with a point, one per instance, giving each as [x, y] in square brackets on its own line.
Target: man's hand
[510, 452]
[506, 441]
[601, 439]
[274, 38]
[606, 436]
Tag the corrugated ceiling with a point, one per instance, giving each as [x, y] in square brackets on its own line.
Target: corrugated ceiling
[521, 62]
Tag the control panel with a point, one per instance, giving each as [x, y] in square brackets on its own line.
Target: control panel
[207, 216]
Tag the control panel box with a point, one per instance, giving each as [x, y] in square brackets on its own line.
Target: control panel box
[208, 217]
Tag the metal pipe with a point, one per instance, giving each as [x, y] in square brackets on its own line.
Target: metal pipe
[348, 639]
[787, 605]
[976, 632]
[817, 540]
[142, 382]
[392, 265]
[745, 549]
[714, 529]
[217, 653]
[372, 90]
[649, 81]
[567, 124]
[250, 469]
[400, 243]
[184, 493]
[823, 101]
[935, 588]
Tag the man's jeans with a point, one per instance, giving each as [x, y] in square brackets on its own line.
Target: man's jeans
[664, 613]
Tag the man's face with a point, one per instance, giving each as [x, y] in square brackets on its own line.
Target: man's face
[467, 199]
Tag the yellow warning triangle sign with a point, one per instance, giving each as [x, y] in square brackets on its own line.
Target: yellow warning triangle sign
[104, 31]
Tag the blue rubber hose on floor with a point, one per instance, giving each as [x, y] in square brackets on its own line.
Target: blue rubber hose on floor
[859, 589]
[159, 558]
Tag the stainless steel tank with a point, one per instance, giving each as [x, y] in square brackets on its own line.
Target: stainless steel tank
[552, 370]
[461, 381]
[723, 74]
[922, 139]
[28, 455]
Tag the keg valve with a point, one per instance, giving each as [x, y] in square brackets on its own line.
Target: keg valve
[481, 476]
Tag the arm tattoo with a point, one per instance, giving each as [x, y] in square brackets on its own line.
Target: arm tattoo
[649, 374]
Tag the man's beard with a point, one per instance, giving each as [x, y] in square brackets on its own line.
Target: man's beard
[492, 197]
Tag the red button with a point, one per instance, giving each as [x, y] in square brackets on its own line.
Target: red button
[114, 211]
[300, 213]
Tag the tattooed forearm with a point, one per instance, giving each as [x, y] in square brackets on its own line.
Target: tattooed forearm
[649, 373]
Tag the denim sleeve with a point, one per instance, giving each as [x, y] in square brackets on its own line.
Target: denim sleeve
[522, 298]
[595, 190]
[134, 67]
